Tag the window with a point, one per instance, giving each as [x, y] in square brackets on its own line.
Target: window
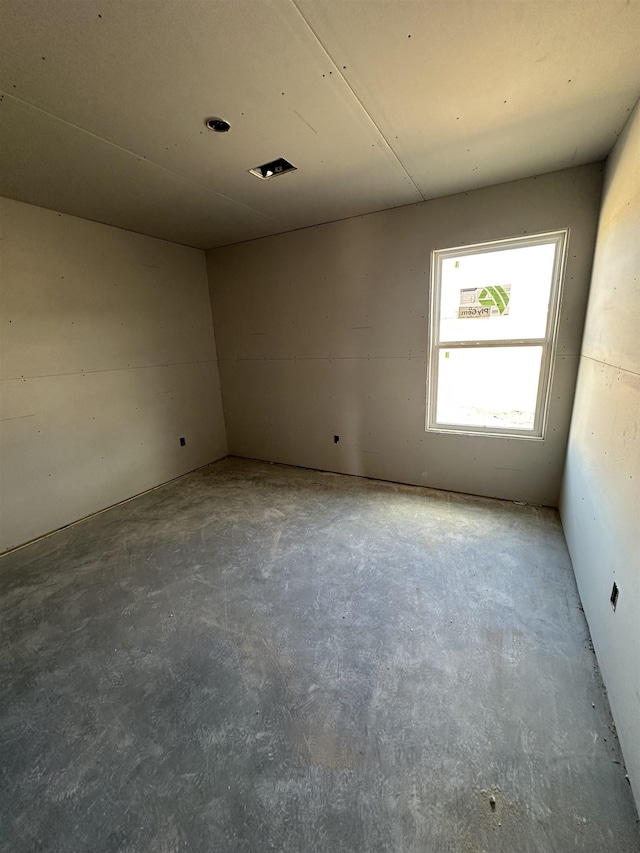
[494, 314]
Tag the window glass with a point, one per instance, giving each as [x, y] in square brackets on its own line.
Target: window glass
[489, 386]
[493, 321]
[496, 295]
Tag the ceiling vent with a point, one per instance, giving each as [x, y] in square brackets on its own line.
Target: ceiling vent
[272, 169]
[218, 125]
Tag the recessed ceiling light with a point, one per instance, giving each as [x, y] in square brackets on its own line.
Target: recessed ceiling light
[219, 125]
[273, 169]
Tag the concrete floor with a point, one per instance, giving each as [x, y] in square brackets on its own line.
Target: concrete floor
[259, 658]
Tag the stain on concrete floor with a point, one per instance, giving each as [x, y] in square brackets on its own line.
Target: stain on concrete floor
[260, 658]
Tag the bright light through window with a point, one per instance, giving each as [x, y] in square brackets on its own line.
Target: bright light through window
[493, 315]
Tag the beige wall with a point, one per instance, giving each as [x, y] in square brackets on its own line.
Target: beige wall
[323, 331]
[107, 357]
[601, 490]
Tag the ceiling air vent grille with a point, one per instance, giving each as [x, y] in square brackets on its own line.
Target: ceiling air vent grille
[273, 169]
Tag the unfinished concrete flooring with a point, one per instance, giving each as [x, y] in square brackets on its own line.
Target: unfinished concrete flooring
[259, 658]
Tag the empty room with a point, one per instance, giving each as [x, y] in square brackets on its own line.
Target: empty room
[319, 442]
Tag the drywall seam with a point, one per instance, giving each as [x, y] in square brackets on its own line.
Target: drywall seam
[110, 369]
[610, 364]
[325, 358]
[357, 99]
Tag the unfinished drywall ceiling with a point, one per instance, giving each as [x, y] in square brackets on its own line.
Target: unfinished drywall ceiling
[378, 104]
[472, 93]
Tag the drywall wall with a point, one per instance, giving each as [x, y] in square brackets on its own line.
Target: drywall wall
[108, 358]
[323, 332]
[600, 504]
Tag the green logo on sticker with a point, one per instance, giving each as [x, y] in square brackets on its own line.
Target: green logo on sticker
[494, 297]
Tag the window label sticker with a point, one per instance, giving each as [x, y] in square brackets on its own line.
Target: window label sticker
[478, 303]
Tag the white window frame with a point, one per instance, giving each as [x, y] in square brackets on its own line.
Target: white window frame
[548, 342]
